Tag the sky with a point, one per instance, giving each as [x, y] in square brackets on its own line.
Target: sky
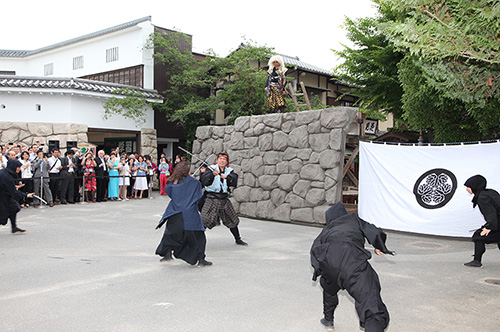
[309, 29]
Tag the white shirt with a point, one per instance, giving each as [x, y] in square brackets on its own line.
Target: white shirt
[3, 162]
[70, 168]
[53, 160]
[26, 172]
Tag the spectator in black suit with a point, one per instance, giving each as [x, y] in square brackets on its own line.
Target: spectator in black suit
[68, 178]
[101, 172]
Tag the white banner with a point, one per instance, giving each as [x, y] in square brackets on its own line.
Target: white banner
[420, 189]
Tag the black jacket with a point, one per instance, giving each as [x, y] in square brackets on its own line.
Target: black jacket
[488, 201]
[9, 196]
[346, 228]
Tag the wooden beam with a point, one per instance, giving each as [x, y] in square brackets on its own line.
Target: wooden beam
[350, 161]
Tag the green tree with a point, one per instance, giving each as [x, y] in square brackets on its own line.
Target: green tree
[371, 66]
[198, 88]
[456, 45]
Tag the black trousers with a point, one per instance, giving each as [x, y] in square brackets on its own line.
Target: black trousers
[102, 186]
[186, 245]
[67, 187]
[55, 186]
[353, 273]
[481, 241]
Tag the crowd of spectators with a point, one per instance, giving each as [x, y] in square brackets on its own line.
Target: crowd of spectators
[76, 177]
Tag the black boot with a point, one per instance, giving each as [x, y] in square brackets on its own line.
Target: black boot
[167, 258]
[237, 238]
[202, 263]
[328, 324]
[17, 231]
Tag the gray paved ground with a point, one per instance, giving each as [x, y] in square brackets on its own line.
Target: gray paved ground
[93, 268]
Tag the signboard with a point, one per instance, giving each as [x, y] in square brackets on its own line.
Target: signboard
[87, 147]
[371, 126]
[125, 144]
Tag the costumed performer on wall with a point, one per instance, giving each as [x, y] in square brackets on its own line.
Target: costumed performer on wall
[276, 84]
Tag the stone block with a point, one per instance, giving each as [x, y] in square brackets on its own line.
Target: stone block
[329, 158]
[278, 196]
[319, 142]
[249, 180]
[268, 182]
[295, 165]
[218, 131]
[259, 129]
[248, 132]
[250, 142]
[266, 142]
[10, 136]
[282, 167]
[273, 120]
[282, 212]
[204, 132]
[332, 195]
[313, 158]
[272, 157]
[333, 173]
[314, 127]
[248, 209]
[196, 147]
[256, 120]
[242, 123]
[270, 170]
[302, 214]
[301, 188]
[280, 141]
[304, 154]
[337, 117]
[315, 197]
[287, 181]
[318, 184]
[265, 210]
[337, 139]
[256, 166]
[290, 153]
[319, 213]
[299, 137]
[228, 129]
[306, 117]
[259, 194]
[296, 202]
[40, 129]
[312, 172]
[288, 126]
[329, 182]
[236, 141]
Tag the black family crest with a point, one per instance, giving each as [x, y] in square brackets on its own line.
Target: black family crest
[435, 188]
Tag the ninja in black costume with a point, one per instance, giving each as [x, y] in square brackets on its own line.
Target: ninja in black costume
[488, 201]
[338, 256]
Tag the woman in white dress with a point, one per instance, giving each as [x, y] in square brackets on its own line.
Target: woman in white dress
[141, 183]
[124, 179]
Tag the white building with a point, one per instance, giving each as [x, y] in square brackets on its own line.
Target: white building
[66, 84]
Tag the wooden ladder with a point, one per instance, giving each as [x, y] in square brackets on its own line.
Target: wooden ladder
[294, 96]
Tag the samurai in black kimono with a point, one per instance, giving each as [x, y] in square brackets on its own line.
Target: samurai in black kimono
[184, 232]
[488, 201]
[338, 256]
[10, 196]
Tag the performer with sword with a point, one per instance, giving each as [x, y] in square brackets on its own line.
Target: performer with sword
[10, 196]
[217, 180]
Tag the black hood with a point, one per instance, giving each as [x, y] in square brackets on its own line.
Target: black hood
[12, 165]
[477, 183]
[336, 211]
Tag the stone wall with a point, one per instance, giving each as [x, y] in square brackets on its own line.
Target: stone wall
[149, 144]
[289, 164]
[28, 133]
